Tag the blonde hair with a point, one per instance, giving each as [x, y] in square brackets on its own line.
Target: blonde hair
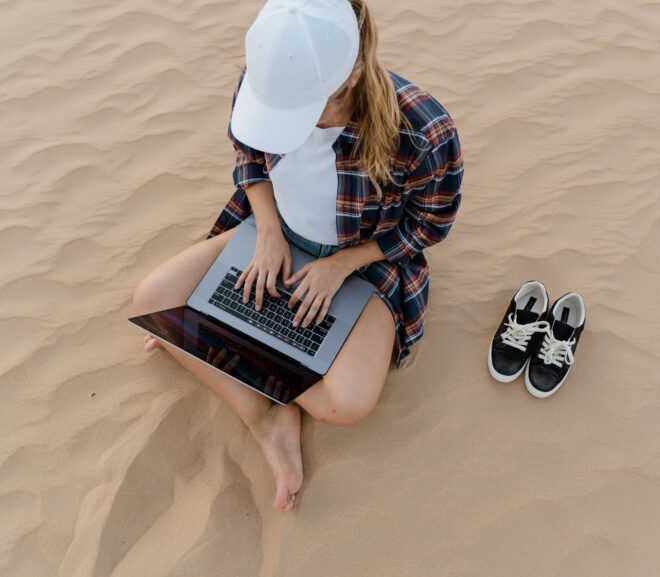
[375, 99]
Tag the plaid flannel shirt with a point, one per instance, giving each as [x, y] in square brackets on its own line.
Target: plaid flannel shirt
[412, 214]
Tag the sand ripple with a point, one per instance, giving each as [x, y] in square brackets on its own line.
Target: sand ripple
[115, 157]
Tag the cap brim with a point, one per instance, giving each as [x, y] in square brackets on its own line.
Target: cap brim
[273, 130]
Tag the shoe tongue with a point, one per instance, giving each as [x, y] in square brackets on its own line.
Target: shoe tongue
[562, 331]
[525, 317]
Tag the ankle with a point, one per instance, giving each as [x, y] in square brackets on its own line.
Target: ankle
[256, 421]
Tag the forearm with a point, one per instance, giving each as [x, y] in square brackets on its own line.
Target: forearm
[359, 255]
[262, 201]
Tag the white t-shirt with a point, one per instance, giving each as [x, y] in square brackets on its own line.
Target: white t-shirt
[305, 186]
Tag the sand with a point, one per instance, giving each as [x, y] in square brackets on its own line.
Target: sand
[116, 463]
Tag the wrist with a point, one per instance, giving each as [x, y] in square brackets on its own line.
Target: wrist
[345, 260]
[359, 255]
[267, 225]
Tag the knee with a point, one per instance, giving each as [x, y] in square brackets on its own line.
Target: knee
[145, 296]
[349, 405]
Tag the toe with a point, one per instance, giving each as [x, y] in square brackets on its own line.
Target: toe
[291, 503]
[150, 343]
[281, 496]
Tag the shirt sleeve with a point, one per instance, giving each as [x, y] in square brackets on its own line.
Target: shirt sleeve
[250, 162]
[429, 212]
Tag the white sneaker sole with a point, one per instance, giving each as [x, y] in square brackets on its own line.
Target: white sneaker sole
[540, 394]
[498, 376]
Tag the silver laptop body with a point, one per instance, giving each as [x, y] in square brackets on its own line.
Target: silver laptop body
[346, 305]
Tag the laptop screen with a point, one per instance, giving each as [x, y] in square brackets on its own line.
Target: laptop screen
[229, 351]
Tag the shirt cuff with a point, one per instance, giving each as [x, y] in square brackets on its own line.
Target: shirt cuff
[249, 173]
[395, 247]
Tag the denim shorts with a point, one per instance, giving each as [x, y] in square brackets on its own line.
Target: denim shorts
[309, 246]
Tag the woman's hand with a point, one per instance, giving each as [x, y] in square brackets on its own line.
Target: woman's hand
[321, 279]
[271, 254]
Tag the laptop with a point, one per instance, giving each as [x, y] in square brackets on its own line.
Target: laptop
[260, 349]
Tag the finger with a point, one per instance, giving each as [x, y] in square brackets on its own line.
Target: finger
[302, 309]
[278, 389]
[218, 358]
[296, 276]
[249, 280]
[286, 267]
[243, 275]
[297, 294]
[324, 310]
[232, 363]
[313, 309]
[270, 284]
[269, 384]
[209, 355]
[259, 289]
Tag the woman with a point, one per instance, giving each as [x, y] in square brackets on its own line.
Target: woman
[391, 189]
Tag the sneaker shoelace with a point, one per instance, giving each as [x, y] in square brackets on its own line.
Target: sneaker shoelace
[517, 335]
[556, 352]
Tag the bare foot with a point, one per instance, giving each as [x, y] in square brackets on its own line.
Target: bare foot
[278, 435]
[151, 343]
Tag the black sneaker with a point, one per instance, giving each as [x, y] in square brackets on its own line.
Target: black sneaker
[553, 357]
[512, 344]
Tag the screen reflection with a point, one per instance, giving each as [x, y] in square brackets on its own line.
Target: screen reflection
[236, 354]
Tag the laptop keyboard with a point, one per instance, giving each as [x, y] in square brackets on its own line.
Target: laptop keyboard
[274, 317]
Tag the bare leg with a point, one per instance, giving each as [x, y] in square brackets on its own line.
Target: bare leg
[351, 388]
[275, 427]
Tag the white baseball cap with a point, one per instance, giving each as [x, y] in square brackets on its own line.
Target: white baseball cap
[297, 53]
